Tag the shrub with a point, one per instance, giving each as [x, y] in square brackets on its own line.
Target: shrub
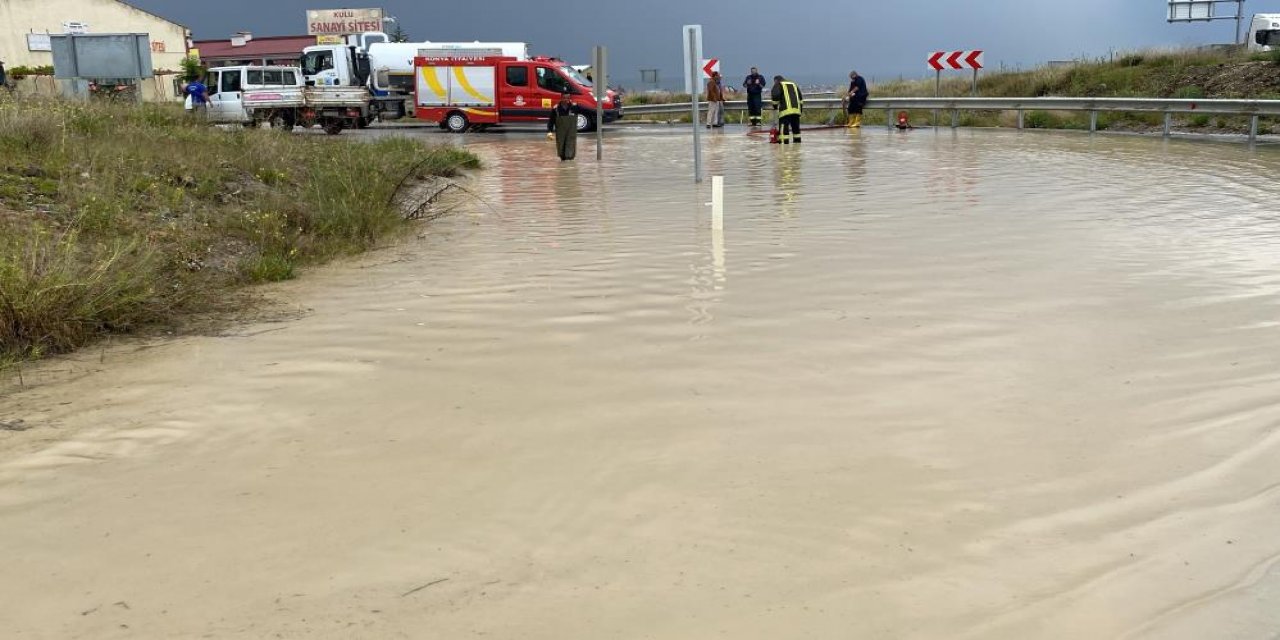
[191, 69]
[1189, 93]
[59, 289]
[21, 71]
[1042, 120]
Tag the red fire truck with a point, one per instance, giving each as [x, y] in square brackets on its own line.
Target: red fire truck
[464, 93]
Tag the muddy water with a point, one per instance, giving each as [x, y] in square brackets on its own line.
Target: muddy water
[973, 385]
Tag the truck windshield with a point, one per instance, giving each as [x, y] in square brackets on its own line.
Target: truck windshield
[575, 76]
[314, 62]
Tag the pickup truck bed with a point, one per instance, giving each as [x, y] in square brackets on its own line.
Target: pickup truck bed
[299, 97]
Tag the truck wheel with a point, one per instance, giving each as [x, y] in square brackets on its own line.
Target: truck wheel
[333, 127]
[281, 120]
[585, 123]
[457, 122]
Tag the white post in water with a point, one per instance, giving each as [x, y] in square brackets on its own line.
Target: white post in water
[692, 57]
[600, 87]
[717, 200]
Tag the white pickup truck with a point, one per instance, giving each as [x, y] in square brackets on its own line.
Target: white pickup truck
[253, 95]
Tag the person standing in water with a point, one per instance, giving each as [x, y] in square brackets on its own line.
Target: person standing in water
[856, 99]
[754, 84]
[715, 101]
[788, 101]
[562, 125]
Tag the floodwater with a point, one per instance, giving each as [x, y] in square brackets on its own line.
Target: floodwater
[939, 384]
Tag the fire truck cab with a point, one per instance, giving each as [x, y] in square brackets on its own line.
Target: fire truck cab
[462, 93]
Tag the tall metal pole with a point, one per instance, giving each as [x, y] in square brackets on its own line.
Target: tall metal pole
[937, 93]
[694, 59]
[975, 82]
[1239, 21]
[600, 86]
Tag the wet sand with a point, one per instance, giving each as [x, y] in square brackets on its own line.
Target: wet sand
[933, 385]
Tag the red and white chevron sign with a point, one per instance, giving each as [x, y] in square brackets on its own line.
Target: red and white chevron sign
[940, 60]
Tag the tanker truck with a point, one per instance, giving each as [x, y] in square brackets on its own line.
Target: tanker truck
[386, 69]
[1264, 32]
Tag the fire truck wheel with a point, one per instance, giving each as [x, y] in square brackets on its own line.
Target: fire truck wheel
[457, 122]
[585, 123]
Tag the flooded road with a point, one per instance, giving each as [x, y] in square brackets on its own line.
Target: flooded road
[929, 385]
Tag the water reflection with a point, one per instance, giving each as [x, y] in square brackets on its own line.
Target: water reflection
[787, 164]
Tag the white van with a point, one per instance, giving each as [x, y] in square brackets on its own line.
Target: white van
[227, 86]
[1264, 32]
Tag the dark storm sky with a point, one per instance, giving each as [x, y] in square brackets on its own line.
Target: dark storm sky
[881, 40]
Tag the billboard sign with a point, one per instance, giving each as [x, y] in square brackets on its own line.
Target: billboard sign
[105, 55]
[1204, 10]
[341, 22]
[39, 42]
[1190, 10]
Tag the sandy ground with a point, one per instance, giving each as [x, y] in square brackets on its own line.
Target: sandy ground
[980, 385]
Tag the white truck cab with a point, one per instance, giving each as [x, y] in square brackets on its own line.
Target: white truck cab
[1264, 32]
[227, 86]
[334, 65]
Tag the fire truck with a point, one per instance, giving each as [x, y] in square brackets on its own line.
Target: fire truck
[464, 93]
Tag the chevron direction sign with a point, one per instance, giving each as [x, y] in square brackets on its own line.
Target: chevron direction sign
[940, 60]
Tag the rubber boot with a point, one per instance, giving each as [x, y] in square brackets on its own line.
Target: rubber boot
[857, 121]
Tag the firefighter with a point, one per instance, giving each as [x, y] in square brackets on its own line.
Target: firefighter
[754, 84]
[788, 101]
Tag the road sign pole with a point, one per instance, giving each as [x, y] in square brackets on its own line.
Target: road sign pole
[1239, 21]
[695, 56]
[600, 86]
[937, 92]
[975, 82]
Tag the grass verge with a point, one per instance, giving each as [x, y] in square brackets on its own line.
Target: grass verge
[116, 217]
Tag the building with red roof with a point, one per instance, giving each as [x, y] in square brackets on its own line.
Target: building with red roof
[244, 48]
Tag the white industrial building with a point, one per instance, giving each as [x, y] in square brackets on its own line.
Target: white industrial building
[25, 27]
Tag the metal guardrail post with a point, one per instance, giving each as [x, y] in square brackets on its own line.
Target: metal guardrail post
[955, 118]
[1253, 129]
[1019, 118]
[1168, 123]
[888, 118]
[1093, 121]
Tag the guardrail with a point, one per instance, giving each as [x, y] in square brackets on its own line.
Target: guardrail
[1094, 106]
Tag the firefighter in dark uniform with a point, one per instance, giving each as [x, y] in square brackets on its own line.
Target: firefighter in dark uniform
[754, 84]
[856, 99]
[562, 124]
[788, 101]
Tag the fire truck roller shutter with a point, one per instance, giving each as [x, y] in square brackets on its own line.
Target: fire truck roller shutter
[435, 93]
[472, 86]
